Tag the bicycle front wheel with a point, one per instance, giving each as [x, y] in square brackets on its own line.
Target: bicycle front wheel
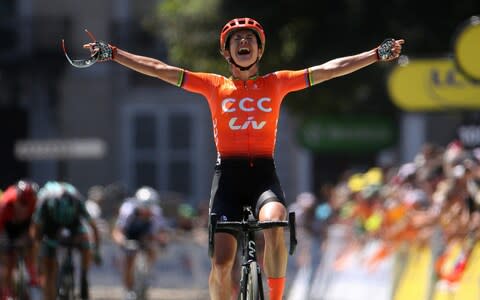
[21, 285]
[66, 283]
[141, 276]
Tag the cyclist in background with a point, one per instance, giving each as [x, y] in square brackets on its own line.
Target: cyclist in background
[17, 205]
[63, 207]
[245, 108]
[95, 200]
[140, 225]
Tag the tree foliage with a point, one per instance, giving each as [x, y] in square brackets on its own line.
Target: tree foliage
[308, 33]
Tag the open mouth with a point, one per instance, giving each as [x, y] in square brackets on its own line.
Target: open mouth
[243, 51]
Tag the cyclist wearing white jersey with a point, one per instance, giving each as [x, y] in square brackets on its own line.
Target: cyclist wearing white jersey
[140, 226]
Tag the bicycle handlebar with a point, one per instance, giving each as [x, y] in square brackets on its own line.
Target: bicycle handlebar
[251, 225]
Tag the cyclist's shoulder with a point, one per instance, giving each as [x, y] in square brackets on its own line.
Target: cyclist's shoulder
[128, 206]
[9, 196]
[204, 80]
[283, 79]
[206, 76]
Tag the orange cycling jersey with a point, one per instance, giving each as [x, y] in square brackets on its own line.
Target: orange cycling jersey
[245, 113]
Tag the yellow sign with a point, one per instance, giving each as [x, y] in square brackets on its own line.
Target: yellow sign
[467, 48]
[432, 85]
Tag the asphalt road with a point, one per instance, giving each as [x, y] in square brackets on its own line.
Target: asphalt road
[113, 293]
[181, 272]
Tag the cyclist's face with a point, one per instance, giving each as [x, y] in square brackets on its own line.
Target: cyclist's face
[145, 212]
[244, 47]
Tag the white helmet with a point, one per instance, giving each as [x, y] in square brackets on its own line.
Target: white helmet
[147, 196]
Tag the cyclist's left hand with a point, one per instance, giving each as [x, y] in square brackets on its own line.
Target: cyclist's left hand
[389, 49]
[397, 48]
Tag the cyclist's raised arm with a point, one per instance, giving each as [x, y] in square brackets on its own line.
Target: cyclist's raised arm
[348, 64]
[149, 66]
[142, 64]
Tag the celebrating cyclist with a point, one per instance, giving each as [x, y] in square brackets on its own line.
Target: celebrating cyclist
[62, 210]
[17, 204]
[245, 109]
[140, 226]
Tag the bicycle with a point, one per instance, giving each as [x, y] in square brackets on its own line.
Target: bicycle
[65, 285]
[141, 270]
[251, 284]
[21, 286]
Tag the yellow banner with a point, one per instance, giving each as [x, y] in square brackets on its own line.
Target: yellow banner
[467, 48]
[432, 85]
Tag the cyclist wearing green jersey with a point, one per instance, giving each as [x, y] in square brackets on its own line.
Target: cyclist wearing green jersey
[62, 209]
[245, 108]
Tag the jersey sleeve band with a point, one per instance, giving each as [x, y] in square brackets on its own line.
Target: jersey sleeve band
[181, 78]
[309, 78]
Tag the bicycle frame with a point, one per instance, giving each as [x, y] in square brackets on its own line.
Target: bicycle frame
[66, 270]
[251, 276]
[251, 285]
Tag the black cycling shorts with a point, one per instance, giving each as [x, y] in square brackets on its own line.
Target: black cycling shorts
[17, 230]
[240, 182]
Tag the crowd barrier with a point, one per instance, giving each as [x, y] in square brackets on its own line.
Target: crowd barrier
[406, 274]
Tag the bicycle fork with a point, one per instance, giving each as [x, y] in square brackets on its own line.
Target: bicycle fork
[250, 255]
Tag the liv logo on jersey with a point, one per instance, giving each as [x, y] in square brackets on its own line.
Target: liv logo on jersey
[249, 122]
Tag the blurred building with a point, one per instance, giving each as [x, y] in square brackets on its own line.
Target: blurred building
[149, 133]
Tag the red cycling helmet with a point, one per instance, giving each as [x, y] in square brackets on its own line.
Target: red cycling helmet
[241, 23]
[27, 191]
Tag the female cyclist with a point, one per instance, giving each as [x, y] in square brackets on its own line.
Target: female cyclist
[245, 109]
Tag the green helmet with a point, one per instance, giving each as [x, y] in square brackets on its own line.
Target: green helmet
[62, 201]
